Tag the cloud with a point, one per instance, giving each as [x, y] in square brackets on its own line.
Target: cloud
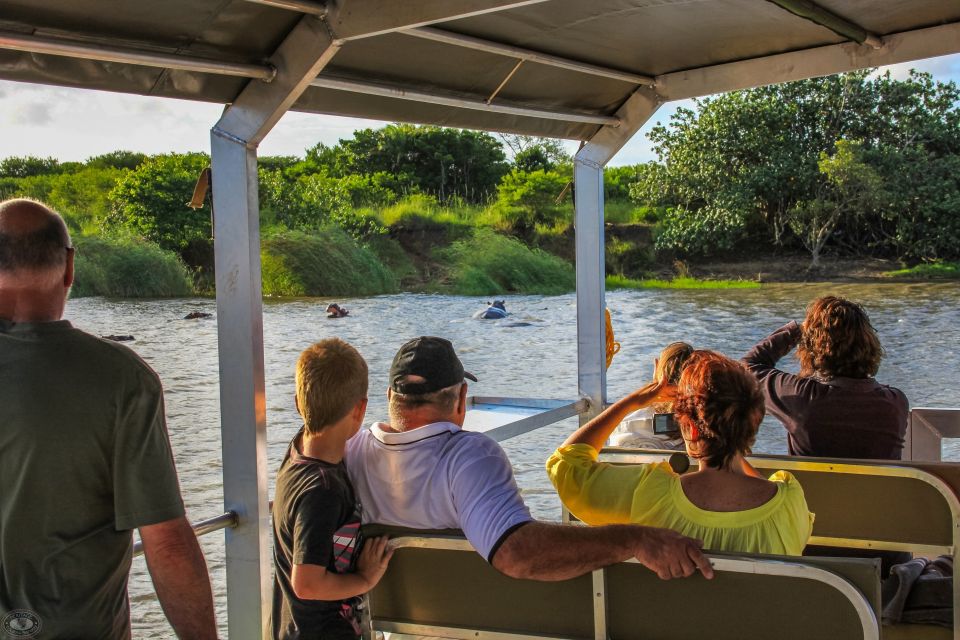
[33, 114]
[944, 68]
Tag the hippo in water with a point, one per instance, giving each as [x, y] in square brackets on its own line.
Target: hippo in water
[495, 311]
[118, 338]
[197, 315]
[336, 311]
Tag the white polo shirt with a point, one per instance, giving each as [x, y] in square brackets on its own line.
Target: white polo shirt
[436, 477]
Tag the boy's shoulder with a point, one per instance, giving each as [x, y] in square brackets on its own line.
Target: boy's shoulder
[301, 475]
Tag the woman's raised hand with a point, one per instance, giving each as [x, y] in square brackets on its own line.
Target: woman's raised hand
[656, 391]
[666, 392]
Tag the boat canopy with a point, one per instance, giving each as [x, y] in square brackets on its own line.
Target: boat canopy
[589, 70]
[559, 68]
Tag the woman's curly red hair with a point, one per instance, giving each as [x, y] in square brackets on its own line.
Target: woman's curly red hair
[838, 341]
[720, 400]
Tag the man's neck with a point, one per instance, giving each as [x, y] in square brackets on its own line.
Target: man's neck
[19, 305]
[411, 422]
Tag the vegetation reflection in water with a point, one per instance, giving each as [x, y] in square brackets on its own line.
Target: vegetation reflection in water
[918, 324]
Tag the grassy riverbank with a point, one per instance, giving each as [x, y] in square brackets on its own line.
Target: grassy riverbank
[128, 268]
[929, 271]
[424, 255]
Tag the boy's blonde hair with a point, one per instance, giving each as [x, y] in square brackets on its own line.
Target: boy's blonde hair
[331, 380]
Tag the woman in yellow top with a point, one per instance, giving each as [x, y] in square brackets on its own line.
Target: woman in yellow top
[726, 503]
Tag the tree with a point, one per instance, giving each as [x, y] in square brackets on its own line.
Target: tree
[117, 160]
[151, 202]
[850, 189]
[533, 159]
[526, 199]
[82, 197]
[27, 166]
[445, 163]
[746, 164]
[531, 153]
[619, 181]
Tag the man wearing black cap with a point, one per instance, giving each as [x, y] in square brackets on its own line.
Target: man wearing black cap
[423, 471]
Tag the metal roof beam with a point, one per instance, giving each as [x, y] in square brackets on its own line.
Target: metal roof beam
[826, 18]
[606, 142]
[124, 55]
[461, 102]
[527, 55]
[354, 19]
[809, 63]
[304, 53]
[318, 9]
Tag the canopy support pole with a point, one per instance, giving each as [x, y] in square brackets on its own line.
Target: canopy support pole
[234, 140]
[591, 273]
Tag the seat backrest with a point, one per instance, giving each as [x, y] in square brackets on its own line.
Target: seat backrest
[896, 506]
[796, 599]
[439, 586]
[443, 584]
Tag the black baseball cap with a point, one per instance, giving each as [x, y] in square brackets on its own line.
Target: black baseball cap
[430, 358]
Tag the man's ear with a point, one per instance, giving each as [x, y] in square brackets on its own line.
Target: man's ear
[68, 271]
[462, 402]
[296, 403]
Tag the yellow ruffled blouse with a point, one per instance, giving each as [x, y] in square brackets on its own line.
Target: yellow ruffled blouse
[650, 494]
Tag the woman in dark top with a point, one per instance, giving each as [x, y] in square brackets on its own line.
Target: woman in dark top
[833, 408]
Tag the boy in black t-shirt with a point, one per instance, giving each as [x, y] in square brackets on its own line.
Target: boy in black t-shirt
[316, 517]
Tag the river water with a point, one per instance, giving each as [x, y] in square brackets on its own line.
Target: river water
[919, 325]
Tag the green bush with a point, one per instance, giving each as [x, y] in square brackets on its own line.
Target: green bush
[489, 264]
[128, 268]
[327, 262]
[528, 198]
[618, 180]
[151, 201]
[707, 231]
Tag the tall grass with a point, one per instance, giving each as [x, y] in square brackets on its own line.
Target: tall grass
[488, 264]
[392, 255]
[325, 263]
[929, 270]
[620, 282]
[128, 268]
[418, 210]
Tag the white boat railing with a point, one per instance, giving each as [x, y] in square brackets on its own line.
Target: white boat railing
[505, 418]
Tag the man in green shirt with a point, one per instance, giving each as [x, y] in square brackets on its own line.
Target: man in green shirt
[84, 460]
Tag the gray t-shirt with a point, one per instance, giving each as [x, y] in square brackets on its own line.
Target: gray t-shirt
[84, 459]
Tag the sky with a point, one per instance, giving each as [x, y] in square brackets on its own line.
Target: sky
[75, 124]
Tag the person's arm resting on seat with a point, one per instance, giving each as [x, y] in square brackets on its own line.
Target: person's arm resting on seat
[314, 582]
[545, 551]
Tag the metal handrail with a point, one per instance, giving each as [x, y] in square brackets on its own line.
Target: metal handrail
[227, 520]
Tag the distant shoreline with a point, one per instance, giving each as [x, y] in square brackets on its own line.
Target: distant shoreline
[796, 269]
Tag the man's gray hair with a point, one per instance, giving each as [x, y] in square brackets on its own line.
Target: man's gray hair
[37, 249]
[443, 401]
